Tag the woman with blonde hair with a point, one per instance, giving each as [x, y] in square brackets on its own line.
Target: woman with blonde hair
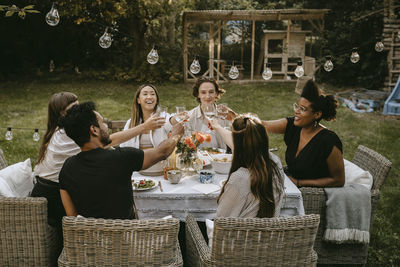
[255, 183]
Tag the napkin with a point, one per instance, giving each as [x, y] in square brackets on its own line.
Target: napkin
[206, 188]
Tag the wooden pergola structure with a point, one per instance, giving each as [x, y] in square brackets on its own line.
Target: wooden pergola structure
[217, 20]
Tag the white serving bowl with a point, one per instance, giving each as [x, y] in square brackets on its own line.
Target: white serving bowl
[221, 166]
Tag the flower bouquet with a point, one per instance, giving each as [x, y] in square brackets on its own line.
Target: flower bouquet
[187, 150]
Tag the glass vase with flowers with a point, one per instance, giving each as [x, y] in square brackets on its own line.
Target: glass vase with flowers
[187, 158]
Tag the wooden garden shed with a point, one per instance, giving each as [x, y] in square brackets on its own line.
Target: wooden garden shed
[217, 19]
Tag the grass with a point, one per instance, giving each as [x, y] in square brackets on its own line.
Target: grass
[24, 105]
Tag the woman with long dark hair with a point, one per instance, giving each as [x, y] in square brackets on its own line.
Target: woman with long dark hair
[255, 183]
[144, 108]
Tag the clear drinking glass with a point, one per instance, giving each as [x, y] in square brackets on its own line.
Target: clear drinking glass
[222, 110]
[210, 112]
[181, 114]
[162, 111]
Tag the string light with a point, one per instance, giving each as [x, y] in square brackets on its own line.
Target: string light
[299, 71]
[233, 72]
[195, 66]
[9, 135]
[36, 136]
[105, 40]
[379, 46]
[152, 57]
[355, 57]
[328, 66]
[267, 73]
[52, 17]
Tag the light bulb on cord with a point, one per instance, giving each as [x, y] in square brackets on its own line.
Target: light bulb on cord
[267, 73]
[355, 57]
[9, 135]
[36, 136]
[52, 17]
[152, 57]
[328, 65]
[379, 46]
[233, 72]
[105, 40]
[195, 66]
[299, 71]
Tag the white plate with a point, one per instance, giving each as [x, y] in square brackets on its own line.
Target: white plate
[143, 189]
[221, 183]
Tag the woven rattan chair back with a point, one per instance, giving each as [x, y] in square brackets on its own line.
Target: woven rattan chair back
[3, 162]
[101, 242]
[375, 163]
[25, 237]
[265, 242]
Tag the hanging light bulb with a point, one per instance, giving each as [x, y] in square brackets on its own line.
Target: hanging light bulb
[328, 65]
[355, 57]
[299, 71]
[233, 72]
[36, 136]
[379, 46]
[9, 135]
[152, 57]
[267, 73]
[195, 66]
[105, 40]
[52, 17]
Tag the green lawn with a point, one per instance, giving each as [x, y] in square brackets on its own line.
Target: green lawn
[24, 105]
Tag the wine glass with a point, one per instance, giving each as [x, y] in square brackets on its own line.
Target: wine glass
[210, 112]
[222, 110]
[181, 114]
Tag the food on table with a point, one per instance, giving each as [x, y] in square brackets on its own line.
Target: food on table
[224, 159]
[144, 183]
[212, 150]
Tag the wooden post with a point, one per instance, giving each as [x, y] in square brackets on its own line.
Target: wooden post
[211, 52]
[287, 48]
[185, 51]
[252, 49]
[219, 48]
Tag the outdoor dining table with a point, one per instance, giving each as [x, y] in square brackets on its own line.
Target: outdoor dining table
[185, 197]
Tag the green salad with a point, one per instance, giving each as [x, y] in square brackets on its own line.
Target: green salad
[143, 184]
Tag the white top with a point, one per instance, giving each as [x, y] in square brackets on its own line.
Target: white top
[238, 200]
[156, 136]
[197, 122]
[58, 150]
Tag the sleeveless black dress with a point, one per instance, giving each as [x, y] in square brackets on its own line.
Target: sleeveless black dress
[310, 163]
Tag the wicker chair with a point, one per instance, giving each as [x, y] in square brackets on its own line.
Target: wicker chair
[3, 162]
[314, 200]
[25, 237]
[254, 242]
[105, 242]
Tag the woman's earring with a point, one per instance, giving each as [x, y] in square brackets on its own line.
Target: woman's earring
[315, 124]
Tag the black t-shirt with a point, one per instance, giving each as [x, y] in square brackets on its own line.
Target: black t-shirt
[310, 163]
[99, 181]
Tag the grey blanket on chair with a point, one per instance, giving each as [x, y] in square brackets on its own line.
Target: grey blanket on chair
[348, 214]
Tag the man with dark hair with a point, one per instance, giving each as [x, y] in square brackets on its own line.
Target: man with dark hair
[97, 182]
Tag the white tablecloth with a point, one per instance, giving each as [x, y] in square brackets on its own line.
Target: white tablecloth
[180, 199]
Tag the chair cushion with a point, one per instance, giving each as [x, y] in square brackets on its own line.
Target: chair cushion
[356, 175]
[17, 180]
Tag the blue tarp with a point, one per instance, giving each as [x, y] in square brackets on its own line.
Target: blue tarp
[392, 103]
